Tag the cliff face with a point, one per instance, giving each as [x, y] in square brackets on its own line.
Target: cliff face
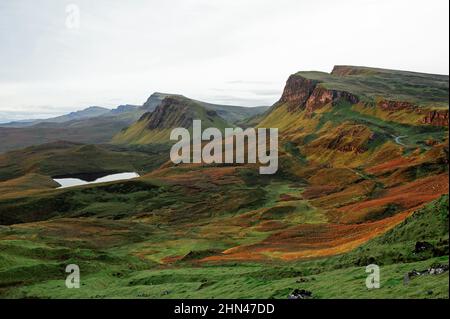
[393, 106]
[435, 117]
[301, 93]
[154, 100]
[321, 97]
[170, 113]
[173, 112]
[297, 91]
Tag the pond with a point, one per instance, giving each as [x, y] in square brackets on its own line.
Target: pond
[81, 180]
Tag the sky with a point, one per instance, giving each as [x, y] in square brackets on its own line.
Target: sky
[58, 56]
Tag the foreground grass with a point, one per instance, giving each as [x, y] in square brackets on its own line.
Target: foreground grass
[244, 281]
[119, 259]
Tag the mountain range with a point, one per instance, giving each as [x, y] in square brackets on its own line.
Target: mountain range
[99, 125]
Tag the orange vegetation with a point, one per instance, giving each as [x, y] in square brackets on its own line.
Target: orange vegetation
[413, 194]
[310, 240]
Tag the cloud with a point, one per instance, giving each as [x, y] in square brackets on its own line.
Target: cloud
[125, 50]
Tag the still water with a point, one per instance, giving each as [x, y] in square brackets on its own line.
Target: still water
[70, 182]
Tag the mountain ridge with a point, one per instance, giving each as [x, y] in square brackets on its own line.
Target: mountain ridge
[173, 111]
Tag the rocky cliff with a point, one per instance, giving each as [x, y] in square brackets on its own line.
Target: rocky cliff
[390, 91]
[172, 112]
[430, 117]
[297, 91]
[301, 93]
[436, 118]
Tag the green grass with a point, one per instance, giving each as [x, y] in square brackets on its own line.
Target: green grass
[244, 281]
[371, 83]
[65, 158]
[32, 266]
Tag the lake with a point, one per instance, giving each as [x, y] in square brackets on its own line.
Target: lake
[72, 181]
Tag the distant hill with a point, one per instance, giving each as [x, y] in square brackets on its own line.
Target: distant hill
[230, 113]
[173, 111]
[122, 109]
[99, 125]
[92, 111]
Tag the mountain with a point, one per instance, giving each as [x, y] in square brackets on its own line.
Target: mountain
[100, 125]
[127, 108]
[173, 111]
[92, 111]
[92, 125]
[89, 112]
[343, 116]
[94, 130]
[229, 113]
[154, 100]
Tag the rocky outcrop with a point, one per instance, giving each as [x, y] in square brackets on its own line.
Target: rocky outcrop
[322, 96]
[301, 93]
[154, 100]
[436, 118]
[297, 91]
[300, 294]
[172, 112]
[393, 106]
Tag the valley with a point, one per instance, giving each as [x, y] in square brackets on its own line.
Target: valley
[362, 179]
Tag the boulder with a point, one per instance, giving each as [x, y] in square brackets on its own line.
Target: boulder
[300, 294]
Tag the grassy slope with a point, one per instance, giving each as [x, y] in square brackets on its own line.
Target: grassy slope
[65, 158]
[108, 269]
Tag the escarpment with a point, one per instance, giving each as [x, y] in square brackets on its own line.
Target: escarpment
[433, 117]
[393, 106]
[170, 113]
[322, 96]
[309, 91]
[436, 118]
[297, 91]
[301, 93]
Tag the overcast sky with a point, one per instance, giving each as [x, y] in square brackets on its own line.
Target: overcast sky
[223, 51]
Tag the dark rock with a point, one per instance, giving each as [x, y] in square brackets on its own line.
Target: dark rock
[422, 246]
[300, 294]
[437, 269]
